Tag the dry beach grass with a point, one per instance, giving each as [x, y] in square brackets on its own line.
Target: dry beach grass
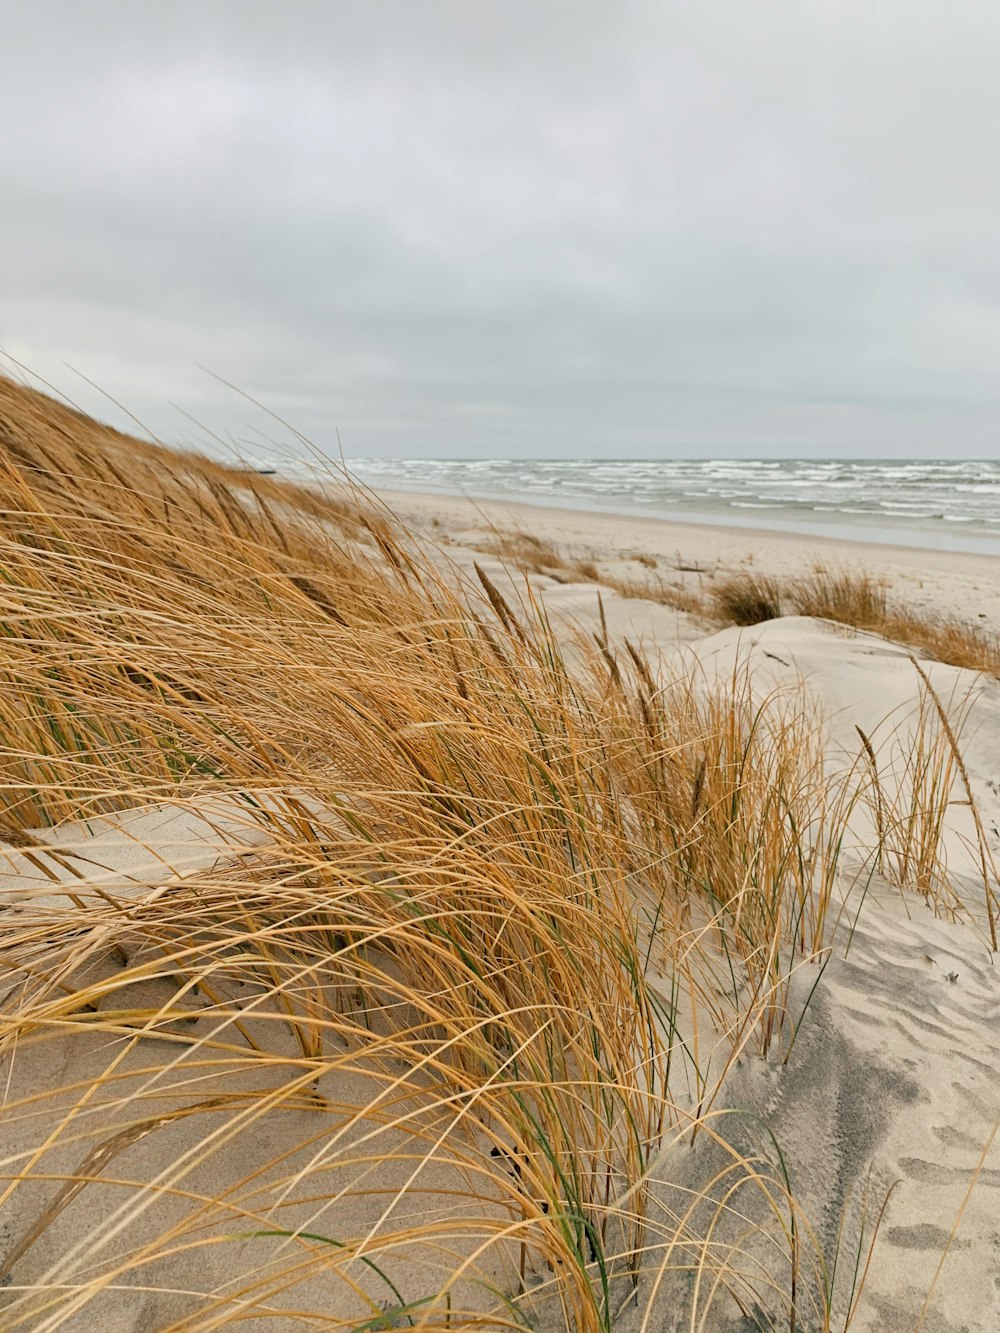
[842, 593]
[853, 597]
[421, 1011]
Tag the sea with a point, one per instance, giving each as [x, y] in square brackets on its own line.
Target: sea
[951, 504]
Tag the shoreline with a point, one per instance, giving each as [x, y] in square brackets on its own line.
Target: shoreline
[811, 525]
[704, 525]
[941, 583]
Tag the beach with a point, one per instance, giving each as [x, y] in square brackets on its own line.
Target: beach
[932, 582]
[943, 504]
[499, 668]
[443, 914]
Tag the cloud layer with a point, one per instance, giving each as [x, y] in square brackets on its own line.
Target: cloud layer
[513, 227]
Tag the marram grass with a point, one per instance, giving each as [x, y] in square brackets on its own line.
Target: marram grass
[421, 1055]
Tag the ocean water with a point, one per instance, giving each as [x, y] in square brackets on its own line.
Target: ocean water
[950, 505]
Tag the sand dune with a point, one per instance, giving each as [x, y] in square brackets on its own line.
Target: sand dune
[893, 1086]
[393, 939]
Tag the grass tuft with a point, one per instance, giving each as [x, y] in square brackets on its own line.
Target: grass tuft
[843, 595]
[747, 599]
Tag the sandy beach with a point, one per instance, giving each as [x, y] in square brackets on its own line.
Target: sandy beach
[395, 938]
[933, 582]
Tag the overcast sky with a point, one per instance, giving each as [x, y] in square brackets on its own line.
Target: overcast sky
[512, 228]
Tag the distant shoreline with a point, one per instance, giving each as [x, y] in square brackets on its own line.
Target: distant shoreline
[944, 504]
[843, 534]
[939, 584]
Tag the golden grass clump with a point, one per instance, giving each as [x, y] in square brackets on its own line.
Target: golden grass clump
[856, 599]
[946, 640]
[529, 552]
[747, 599]
[479, 941]
[850, 597]
[910, 793]
[853, 598]
[660, 589]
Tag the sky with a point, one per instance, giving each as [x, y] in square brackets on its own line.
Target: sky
[510, 228]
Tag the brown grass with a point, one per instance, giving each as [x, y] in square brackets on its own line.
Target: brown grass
[860, 601]
[416, 1057]
[528, 553]
[747, 599]
[853, 598]
[663, 591]
[840, 594]
[532, 555]
[946, 640]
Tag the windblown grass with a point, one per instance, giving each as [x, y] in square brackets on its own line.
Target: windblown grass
[913, 773]
[946, 640]
[418, 1055]
[856, 599]
[917, 775]
[747, 598]
[850, 597]
[660, 589]
[530, 554]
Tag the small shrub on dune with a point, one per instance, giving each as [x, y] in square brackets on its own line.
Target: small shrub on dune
[852, 598]
[747, 599]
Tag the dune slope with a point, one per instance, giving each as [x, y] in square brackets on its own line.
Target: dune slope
[391, 942]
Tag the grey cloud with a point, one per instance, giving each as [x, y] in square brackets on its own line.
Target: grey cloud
[513, 228]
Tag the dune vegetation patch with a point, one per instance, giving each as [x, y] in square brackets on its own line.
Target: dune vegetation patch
[848, 596]
[857, 599]
[366, 966]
